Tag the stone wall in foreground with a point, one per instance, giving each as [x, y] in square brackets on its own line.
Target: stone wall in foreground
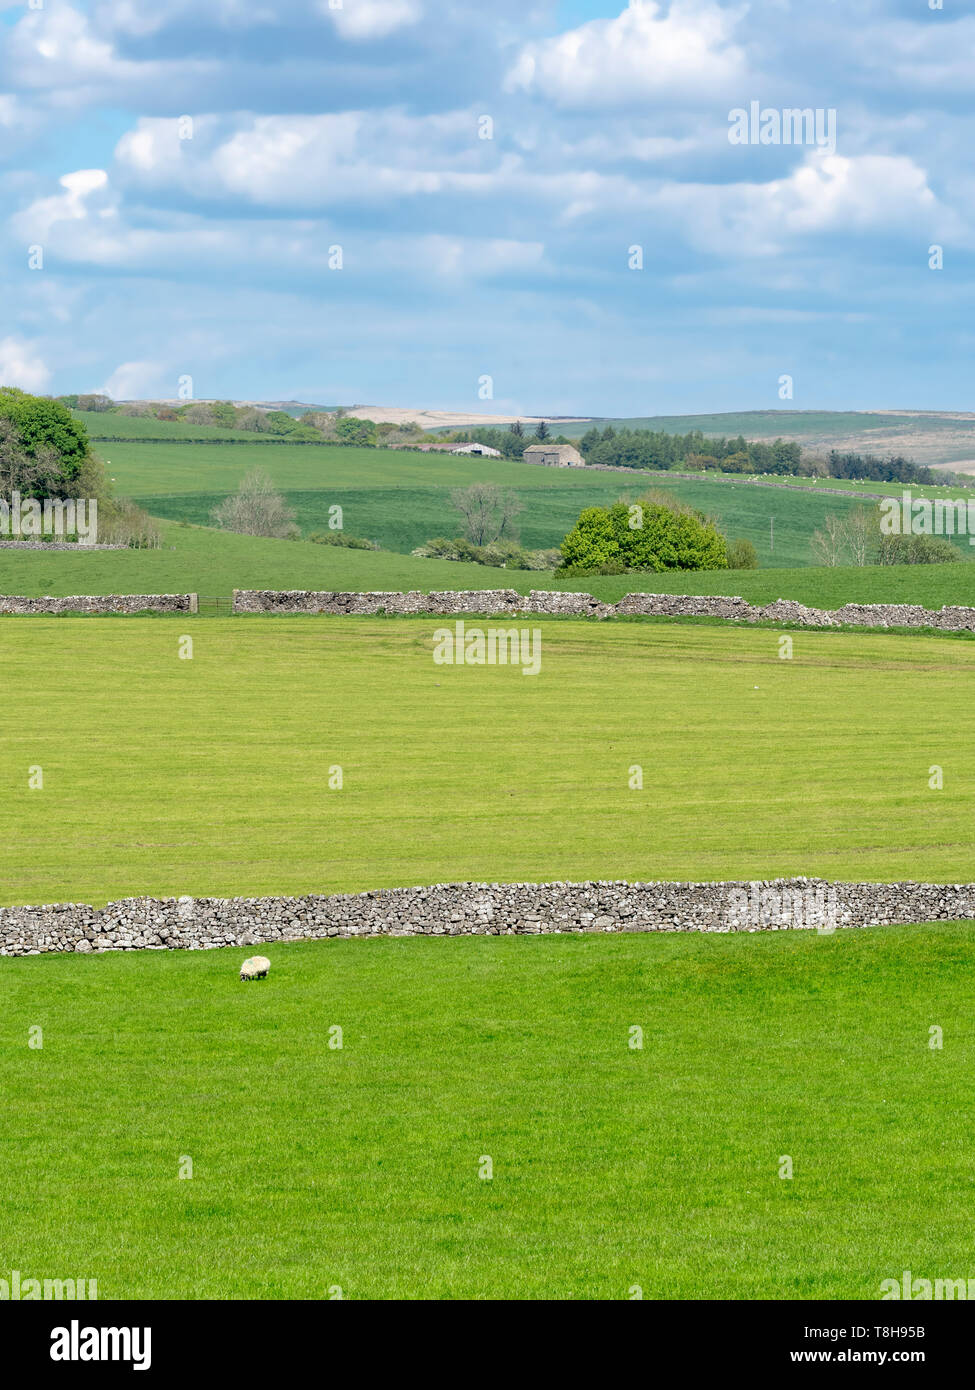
[478, 909]
[506, 602]
[101, 603]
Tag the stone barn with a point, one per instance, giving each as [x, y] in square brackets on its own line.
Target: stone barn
[554, 455]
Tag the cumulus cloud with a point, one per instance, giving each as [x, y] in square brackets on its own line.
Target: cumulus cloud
[826, 195]
[75, 204]
[311, 161]
[644, 54]
[359, 125]
[21, 365]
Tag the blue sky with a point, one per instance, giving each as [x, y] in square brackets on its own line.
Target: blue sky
[204, 247]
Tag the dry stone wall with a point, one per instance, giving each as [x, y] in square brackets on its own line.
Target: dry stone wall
[507, 602]
[497, 602]
[479, 909]
[102, 603]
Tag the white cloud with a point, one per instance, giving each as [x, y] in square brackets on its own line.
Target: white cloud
[136, 381]
[825, 195]
[312, 161]
[643, 54]
[59, 57]
[73, 205]
[20, 365]
[372, 19]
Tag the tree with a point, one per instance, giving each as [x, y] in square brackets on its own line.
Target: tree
[742, 556]
[917, 550]
[349, 429]
[541, 430]
[42, 423]
[517, 428]
[861, 528]
[487, 511]
[200, 413]
[256, 509]
[32, 475]
[643, 537]
[829, 544]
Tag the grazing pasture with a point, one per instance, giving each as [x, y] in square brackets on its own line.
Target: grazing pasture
[211, 776]
[401, 499]
[194, 559]
[317, 1169]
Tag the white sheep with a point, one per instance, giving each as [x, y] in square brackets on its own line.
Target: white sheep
[255, 968]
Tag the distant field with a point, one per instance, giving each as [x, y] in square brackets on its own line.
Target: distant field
[103, 426]
[147, 470]
[405, 517]
[936, 439]
[315, 1168]
[402, 499]
[753, 424]
[210, 776]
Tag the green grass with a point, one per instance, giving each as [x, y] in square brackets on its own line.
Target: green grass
[402, 518]
[402, 499]
[149, 470]
[210, 776]
[197, 560]
[102, 426]
[612, 1168]
[214, 563]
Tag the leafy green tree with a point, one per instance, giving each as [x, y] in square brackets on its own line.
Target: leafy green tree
[42, 423]
[541, 430]
[638, 537]
[917, 550]
[351, 430]
[224, 414]
[742, 555]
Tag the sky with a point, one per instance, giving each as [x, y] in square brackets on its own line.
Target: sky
[522, 207]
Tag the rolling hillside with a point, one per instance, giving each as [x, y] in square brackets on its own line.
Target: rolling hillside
[401, 498]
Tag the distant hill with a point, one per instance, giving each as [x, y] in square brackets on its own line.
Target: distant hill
[945, 439]
[939, 439]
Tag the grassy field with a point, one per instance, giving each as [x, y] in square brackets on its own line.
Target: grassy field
[358, 1168]
[214, 563]
[402, 518]
[401, 499]
[210, 776]
[102, 426]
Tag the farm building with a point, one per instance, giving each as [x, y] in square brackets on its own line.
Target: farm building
[554, 455]
[476, 448]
